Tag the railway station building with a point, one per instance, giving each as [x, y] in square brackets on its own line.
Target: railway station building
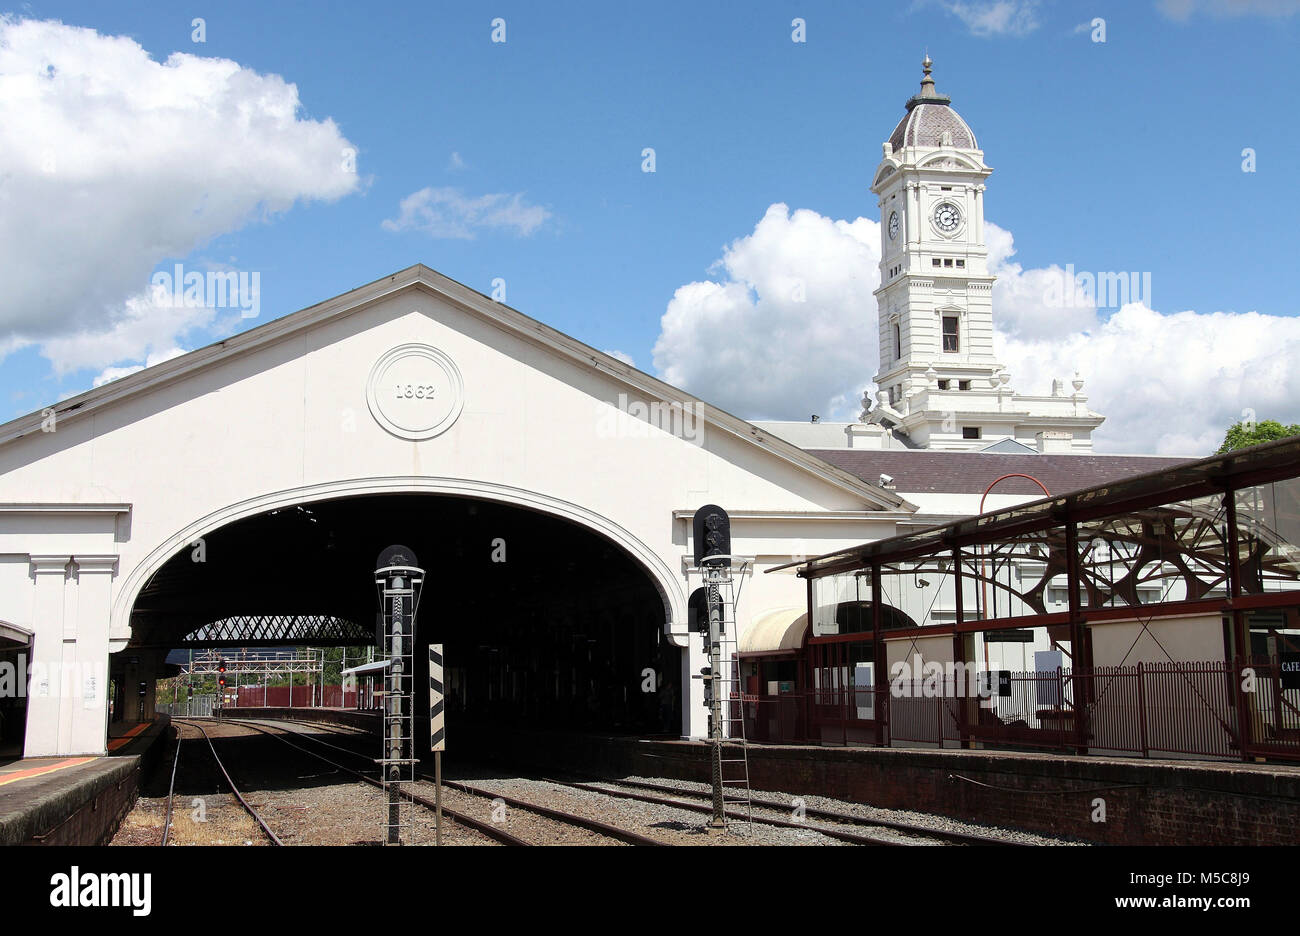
[236, 496]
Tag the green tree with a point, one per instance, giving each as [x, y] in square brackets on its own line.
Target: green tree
[1242, 434]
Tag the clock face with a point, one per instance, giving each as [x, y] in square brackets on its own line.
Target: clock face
[893, 225]
[947, 217]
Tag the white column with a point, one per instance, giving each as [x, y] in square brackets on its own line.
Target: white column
[695, 718]
[50, 574]
[88, 700]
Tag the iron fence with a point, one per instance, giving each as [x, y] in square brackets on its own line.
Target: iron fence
[1196, 709]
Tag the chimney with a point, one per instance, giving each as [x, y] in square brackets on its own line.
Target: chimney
[1054, 443]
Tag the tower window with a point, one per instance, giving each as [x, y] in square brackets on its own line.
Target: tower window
[898, 343]
[950, 341]
[947, 262]
[970, 432]
[936, 262]
[961, 263]
[963, 385]
[943, 385]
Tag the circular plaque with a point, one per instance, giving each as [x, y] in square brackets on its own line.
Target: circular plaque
[415, 391]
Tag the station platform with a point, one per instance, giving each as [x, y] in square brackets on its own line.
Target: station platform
[76, 800]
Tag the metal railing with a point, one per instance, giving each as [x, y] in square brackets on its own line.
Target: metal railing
[1197, 709]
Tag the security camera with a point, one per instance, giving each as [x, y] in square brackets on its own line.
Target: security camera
[886, 480]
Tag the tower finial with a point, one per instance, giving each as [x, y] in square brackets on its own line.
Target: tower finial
[927, 83]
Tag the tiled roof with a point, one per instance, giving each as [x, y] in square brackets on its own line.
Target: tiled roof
[930, 472]
[924, 125]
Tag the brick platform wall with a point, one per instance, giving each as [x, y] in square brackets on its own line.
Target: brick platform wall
[1146, 801]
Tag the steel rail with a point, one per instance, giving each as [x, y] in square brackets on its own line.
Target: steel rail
[478, 825]
[591, 825]
[965, 838]
[234, 789]
[171, 791]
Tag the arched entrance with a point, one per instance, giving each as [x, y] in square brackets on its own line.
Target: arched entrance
[546, 621]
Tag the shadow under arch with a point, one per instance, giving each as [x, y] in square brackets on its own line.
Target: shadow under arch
[668, 586]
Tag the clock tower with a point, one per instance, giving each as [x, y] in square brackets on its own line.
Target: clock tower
[939, 384]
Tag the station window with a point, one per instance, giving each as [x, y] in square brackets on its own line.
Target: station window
[950, 341]
[963, 385]
[947, 262]
[943, 385]
[970, 432]
[961, 263]
[936, 262]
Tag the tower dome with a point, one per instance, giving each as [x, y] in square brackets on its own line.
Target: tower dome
[930, 120]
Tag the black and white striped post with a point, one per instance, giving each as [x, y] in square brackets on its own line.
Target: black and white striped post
[437, 733]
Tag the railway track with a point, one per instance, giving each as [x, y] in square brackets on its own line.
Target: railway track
[830, 823]
[484, 828]
[171, 790]
[846, 827]
[549, 812]
[493, 829]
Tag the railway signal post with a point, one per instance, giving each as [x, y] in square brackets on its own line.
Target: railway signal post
[398, 579]
[712, 541]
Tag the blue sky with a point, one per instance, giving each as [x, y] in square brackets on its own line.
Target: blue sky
[1122, 155]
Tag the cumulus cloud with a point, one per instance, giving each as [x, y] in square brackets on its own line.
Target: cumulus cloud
[986, 18]
[622, 356]
[150, 325]
[449, 213]
[788, 329]
[114, 373]
[112, 162]
[1169, 383]
[1020, 296]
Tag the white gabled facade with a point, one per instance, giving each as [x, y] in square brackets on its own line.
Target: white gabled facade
[137, 470]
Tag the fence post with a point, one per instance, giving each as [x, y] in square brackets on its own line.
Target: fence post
[1060, 702]
[1142, 707]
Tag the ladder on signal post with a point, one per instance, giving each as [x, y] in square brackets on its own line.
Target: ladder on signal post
[734, 756]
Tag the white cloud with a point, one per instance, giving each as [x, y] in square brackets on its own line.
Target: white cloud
[112, 163]
[625, 358]
[1167, 383]
[1184, 9]
[455, 162]
[114, 373]
[145, 329]
[986, 18]
[1018, 295]
[789, 330]
[1170, 383]
[446, 212]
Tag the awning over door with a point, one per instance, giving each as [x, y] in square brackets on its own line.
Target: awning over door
[774, 630]
[12, 636]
